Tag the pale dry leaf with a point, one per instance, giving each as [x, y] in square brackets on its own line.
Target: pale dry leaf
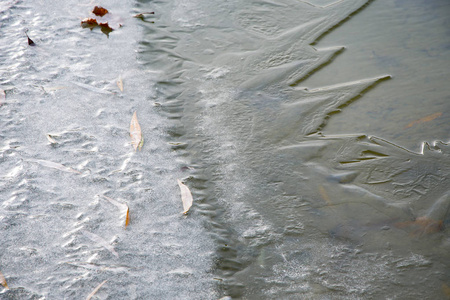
[3, 281]
[123, 207]
[95, 290]
[95, 238]
[2, 96]
[135, 133]
[120, 83]
[51, 139]
[54, 165]
[186, 196]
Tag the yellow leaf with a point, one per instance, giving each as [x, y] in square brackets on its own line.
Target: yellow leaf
[127, 219]
[186, 196]
[95, 290]
[120, 83]
[3, 281]
[425, 119]
[135, 133]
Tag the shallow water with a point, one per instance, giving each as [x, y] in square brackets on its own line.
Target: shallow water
[308, 180]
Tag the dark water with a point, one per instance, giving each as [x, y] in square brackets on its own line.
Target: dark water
[313, 135]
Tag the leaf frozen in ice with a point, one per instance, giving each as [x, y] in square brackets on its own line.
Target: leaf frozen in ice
[120, 83]
[135, 133]
[425, 119]
[95, 238]
[95, 290]
[186, 196]
[50, 164]
[123, 208]
[3, 281]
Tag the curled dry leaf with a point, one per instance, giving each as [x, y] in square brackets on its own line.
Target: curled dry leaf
[95, 238]
[123, 207]
[54, 165]
[30, 41]
[51, 139]
[120, 83]
[135, 133]
[186, 196]
[100, 11]
[141, 15]
[3, 281]
[95, 290]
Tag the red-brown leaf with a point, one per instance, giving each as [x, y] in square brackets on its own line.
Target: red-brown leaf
[100, 11]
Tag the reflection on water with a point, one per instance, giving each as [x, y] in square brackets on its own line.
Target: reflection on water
[303, 187]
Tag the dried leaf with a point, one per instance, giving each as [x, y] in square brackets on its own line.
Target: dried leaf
[30, 41]
[141, 15]
[186, 196]
[3, 281]
[100, 11]
[135, 133]
[95, 238]
[50, 139]
[89, 23]
[123, 207]
[105, 28]
[120, 83]
[127, 219]
[95, 290]
[54, 165]
[425, 119]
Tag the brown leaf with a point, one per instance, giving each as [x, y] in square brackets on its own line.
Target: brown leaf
[100, 11]
[186, 196]
[135, 133]
[30, 42]
[425, 119]
[3, 281]
[95, 290]
[120, 83]
[105, 28]
[89, 23]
